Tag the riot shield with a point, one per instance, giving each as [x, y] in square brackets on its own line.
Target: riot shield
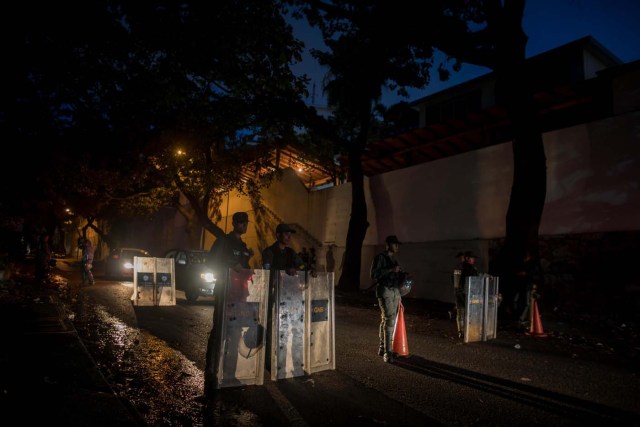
[153, 281]
[320, 323]
[144, 289]
[481, 319]
[474, 310]
[165, 282]
[241, 329]
[288, 326]
[491, 311]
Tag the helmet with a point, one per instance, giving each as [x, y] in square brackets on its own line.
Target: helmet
[405, 284]
[251, 341]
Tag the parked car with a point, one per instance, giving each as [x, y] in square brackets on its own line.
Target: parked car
[194, 275]
[119, 263]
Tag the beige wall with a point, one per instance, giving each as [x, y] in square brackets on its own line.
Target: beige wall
[321, 217]
[460, 203]
[594, 177]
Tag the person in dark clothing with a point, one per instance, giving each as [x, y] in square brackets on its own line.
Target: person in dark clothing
[280, 256]
[386, 274]
[228, 251]
[304, 256]
[313, 257]
[527, 277]
[42, 258]
[457, 271]
[87, 261]
[468, 269]
[330, 259]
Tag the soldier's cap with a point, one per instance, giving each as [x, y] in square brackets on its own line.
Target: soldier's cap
[469, 254]
[240, 217]
[392, 239]
[283, 228]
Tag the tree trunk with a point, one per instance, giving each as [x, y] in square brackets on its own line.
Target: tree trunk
[358, 223]
[528, 191]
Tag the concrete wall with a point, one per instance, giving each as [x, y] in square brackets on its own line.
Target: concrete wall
[321, 218]
[460, 203]
[594, 177]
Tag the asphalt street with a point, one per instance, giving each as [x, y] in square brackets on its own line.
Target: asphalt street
[572, 376]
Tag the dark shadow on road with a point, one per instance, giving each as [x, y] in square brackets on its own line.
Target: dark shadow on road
[560, 404]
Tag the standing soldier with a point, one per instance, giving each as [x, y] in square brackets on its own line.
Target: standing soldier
[457, 271]
[468, 269]
[385, 272]
[228, 251]
[279, 256]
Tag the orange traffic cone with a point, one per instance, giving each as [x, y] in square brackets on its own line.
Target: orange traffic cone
[400, 345]
[536, 324]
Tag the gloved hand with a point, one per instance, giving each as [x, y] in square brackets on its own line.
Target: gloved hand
[291, 271]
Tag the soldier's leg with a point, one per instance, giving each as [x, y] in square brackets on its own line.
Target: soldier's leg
[460, 312]
[381, 327]
[390, 310]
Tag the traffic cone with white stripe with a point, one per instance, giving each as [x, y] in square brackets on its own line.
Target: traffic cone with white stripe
[400, 346]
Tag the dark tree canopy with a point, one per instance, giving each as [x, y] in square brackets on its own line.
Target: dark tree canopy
[106, 92]
[370, 45]
[373, 44]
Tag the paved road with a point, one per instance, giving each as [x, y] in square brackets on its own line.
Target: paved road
[155, 356]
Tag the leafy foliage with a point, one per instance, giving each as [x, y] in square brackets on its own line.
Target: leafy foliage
[371, 45]
[115, 93]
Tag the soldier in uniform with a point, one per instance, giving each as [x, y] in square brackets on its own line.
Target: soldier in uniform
[385, 272]
[279, 256]
[228, 251]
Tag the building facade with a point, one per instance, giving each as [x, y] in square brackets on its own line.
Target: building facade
[452, 192]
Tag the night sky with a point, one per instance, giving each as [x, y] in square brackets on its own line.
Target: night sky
[548, 23]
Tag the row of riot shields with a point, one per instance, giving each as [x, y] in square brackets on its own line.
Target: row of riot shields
[481, 307]
[300, 330]
[153, 281]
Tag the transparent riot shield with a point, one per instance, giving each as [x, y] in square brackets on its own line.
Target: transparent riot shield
[241, 331]
[320, 329]
[474, 310]
[144, 292]
[481, 317]
[288, 327]
[491, 312]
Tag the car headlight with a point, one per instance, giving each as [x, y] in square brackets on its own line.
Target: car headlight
[208, 277]
[128, 265]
